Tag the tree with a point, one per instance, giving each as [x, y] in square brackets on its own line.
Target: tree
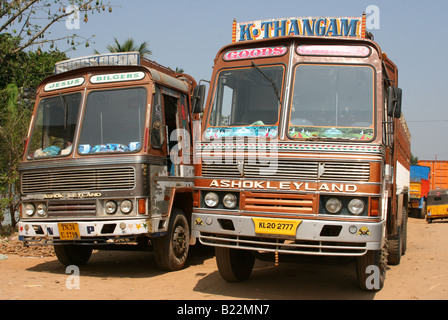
[25, 71]
[24, 23]
[128, 46]
[23, 19]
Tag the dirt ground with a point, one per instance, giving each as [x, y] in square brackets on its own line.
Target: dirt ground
[116, 275]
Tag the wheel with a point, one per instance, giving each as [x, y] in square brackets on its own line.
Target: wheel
[395, 248]
[371, 269]
[398, 244]
[73, 254]
[404, 232]
[171, 250]
[234, 265]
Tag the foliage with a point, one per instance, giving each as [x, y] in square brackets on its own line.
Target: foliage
[128, 46]
[29, 21]
[23, 24]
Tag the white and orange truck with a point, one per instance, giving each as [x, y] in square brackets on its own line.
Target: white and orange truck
[303, 149]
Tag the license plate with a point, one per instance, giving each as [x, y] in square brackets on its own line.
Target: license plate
[69, 231]
[276, 226]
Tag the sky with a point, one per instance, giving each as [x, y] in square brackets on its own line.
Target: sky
[189, 33]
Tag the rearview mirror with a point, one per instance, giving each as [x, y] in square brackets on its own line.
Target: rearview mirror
[394, 102]
[198, 98]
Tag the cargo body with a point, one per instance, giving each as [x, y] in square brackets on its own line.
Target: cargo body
[438, 173]
[304, 151]
[419, 188]
[97, 171]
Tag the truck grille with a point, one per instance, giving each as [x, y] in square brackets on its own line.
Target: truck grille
[285, 168]
[69, 208]
[284, 203]
[76, 180]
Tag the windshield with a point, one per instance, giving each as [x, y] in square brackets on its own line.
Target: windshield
[332, 101]
[113, 121]
[246, 102]
[54, 127]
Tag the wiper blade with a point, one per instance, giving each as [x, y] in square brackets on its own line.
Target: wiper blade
[270, 80]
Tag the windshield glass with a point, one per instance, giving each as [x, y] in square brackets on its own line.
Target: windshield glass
[332, 101]
[246, 102]
[54, 127]
[113, 121]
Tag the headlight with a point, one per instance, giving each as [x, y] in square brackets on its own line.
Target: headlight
[356, 206]
[30, 209]
[41, 209]
[229, 201]
[211, 199]
[333, 205]
[110, 207]
[126, 206]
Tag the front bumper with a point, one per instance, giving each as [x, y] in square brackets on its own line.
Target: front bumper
[312, 237]
[42, 233]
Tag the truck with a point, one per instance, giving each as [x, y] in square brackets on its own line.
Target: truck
[106, 163]
[303, 149]
[438, 173]
[419, 187]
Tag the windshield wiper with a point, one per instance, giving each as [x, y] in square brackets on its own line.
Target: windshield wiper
[270, 80]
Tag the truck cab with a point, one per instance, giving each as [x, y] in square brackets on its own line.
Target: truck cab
[304, 148]
[103, 165]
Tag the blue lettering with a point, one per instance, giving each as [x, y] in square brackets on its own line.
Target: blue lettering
[280, 31]
[307, 28]
[294, 30]
[245, 32]
[349, 29]
[90, 229]
[320, 27]
[333, 28]
[266, 27]
[50, 231]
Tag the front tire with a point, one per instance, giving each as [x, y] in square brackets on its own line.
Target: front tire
[73, 254]
[371, 269]
[234, 265]
[171, 250]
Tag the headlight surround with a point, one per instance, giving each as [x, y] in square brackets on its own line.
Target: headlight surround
[356, 206]
[126, 206]
[211, 199]
[230, 201]
[30, 209]
[333, 205]
[110, 207]
[41, 210]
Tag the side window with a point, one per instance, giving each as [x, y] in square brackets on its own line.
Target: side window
[388, 122]
[157, 121]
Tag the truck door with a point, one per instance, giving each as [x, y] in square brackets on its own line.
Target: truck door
[170, 129]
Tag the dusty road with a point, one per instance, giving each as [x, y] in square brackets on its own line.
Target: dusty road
[133, 275]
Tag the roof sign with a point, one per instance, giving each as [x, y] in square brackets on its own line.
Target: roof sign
[309, 26]
[325, 50]
[109, 59]
[117, 77]
[69, 83]
[254, 53]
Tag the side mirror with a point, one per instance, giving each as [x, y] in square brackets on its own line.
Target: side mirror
[394, 102]
[198, 98]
